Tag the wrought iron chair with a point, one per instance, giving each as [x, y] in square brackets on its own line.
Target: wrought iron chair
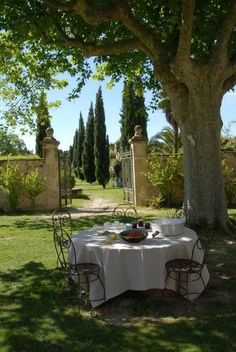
[125, 210]
[78, 275]
[181, 269]
[186, 212]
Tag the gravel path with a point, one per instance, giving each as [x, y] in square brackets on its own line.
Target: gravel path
[94, 207]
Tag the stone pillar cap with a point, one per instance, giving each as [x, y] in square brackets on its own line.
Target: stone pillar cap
[49, 138]
[138, 135]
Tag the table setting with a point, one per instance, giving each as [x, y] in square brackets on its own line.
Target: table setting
[132, 256]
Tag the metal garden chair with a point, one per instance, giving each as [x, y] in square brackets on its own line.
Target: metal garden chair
[78, 275]
[181, 269]
[125, 210]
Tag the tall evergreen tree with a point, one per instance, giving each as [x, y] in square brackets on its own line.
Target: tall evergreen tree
[88, 161]
[100, 142]
[80, 146]
[42, 121]
[133, 112]
[107, 161]
[75, 152]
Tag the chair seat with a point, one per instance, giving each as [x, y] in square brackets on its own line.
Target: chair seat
[183, 265]
[86, 268]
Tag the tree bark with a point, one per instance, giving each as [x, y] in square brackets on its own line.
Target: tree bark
[204, 189]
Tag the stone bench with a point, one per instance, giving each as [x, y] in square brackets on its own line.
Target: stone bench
[76, 192]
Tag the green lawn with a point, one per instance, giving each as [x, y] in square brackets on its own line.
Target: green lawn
[38, 315]
[91, 191]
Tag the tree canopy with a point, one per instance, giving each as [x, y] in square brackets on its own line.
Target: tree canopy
[187, 47]
[10, 143]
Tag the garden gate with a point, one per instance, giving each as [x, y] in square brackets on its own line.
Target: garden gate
[65, 178]
[127, 176]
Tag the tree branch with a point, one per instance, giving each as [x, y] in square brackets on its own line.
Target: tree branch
[230, 75]
[145, 38]
[229, 83]
[145, 34]
[219, 55]
[92, 48]
[69, 6]
[184, 47]
[87, 11]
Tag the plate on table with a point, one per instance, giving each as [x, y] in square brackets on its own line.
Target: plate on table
[134, 235]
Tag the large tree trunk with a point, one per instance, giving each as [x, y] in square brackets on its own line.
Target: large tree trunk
[201, 127]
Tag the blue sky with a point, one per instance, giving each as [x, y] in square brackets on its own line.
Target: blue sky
[65, 118]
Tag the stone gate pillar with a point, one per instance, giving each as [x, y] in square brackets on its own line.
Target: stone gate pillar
[51, 171]
[141, 185]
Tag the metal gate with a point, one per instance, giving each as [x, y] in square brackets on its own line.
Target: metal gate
[127, 176]
[65, 178]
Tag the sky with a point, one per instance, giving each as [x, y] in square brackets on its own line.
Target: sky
[65, 118]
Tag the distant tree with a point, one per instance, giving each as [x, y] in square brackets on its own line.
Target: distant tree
[107, 161]
[43, 122]
[70, 153]
[75, 152]
[133, 112]
[100, 142]
[88, 161]
[10, 143]
[80, 146]
[228, 143]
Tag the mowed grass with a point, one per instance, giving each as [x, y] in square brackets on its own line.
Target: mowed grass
[38, 313]
[94, 190]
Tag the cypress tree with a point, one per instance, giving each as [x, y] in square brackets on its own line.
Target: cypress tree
[88, 150]
[107, 161]
[133, 112]
[100, 142]
[42, 122]
[80, 146]
[75, 152]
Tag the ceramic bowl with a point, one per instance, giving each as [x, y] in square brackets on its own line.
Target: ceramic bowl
[134, 235]
[168, 226]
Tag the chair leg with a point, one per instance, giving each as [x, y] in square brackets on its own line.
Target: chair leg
[178, 282]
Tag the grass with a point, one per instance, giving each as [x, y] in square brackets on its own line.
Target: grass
[92, 191]
[38, 315]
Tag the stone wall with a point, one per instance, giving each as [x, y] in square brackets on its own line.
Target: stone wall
[47, 168]
[143, 190]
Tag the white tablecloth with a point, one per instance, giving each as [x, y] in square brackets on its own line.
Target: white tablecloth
[135, 266]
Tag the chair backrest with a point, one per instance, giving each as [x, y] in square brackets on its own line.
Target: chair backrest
[187, 213]
[125, 210]
[204, 245]
[62, 230]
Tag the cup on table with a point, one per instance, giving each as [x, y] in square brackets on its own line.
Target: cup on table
[147, 225]
[134, 225]
[140, 223]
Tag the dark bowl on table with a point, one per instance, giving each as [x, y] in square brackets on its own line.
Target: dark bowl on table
[134, 235]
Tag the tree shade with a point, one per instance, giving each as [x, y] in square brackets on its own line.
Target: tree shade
[186, 47]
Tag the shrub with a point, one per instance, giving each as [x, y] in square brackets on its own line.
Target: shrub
[229, 182]
[33, 186]
[165, 173]
[11, 184]
[14, 183]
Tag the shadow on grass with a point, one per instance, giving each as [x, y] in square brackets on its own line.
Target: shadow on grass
[38, 317]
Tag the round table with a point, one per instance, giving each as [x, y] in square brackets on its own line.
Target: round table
[134, 266]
